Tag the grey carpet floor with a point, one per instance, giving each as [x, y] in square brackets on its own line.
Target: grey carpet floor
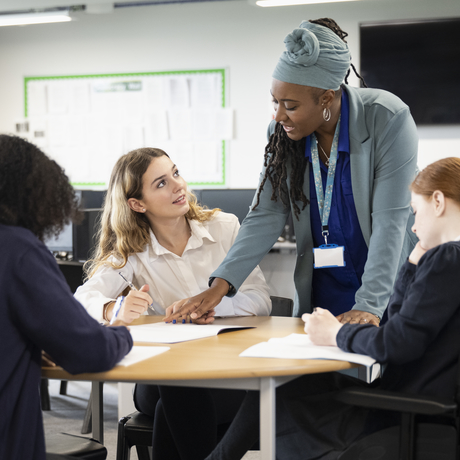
[67, 413]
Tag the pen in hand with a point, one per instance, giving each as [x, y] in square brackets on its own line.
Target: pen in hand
[134, 288]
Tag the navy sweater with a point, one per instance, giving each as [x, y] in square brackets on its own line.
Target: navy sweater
[38, 312]
[420, 343]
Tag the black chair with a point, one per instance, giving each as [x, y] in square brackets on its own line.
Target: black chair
[74, 446]
[424, 440]
[281, 306]
[136, 429]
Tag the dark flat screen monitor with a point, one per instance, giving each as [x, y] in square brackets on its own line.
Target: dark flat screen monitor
[419, 61]
[84, 234]
[79, 239]
[234, 201]
[63, 242]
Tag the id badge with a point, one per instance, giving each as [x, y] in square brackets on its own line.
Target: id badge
[328, 255]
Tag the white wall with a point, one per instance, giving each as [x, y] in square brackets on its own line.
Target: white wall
[246, 39]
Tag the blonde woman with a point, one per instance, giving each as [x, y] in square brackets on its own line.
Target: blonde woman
[155, 234]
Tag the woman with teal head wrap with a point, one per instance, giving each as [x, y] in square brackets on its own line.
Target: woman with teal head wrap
[375, 145]
[365, 142]
[315, 56]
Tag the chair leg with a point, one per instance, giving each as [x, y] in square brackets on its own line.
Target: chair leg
[406, 437]
[143, 453]
[88, 419]
[63, 387]
[45, 395]
[123, 449]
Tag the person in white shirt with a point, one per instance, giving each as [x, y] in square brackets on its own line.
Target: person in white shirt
[155, 234]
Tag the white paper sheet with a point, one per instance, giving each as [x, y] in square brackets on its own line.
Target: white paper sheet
[37, 102]
[133, 137]
[204, 91]
[155, 94]
[180, 124]
[179, 94]
[139, 353]
[79, 101]
[58, 131]
[156, 127]
[173, 333]
[207, 166]
[58, 98]
[299, 346]
[224, 123]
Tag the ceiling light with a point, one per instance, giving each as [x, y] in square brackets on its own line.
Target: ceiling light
[34, 18]
[293, 2]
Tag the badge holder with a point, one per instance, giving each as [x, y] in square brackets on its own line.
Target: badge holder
[328, 255]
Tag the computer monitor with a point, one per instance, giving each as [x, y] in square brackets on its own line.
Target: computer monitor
[63, 242]
[84, 234]
[79, 239]
[234, 201]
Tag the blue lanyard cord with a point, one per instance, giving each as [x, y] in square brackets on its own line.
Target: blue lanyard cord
[324, 201]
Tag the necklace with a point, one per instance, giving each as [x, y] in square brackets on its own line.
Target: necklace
[324, 153]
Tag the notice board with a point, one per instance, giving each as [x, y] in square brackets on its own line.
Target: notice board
[86, 122]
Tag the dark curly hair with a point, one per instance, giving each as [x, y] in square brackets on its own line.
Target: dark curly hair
[35, 193]
[280, 148]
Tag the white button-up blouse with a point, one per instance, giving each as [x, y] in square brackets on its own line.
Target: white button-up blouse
[172, 278]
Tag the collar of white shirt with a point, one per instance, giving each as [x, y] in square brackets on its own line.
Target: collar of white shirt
[458, 238]
[199, 232]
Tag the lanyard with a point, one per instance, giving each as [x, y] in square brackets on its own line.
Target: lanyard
[324, 201]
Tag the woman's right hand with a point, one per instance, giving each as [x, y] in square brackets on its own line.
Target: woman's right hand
[200, 304]
[133, 306]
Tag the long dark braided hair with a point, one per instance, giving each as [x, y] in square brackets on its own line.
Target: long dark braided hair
[280, 148]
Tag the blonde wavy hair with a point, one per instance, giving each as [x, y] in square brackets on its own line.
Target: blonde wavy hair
[122, 231]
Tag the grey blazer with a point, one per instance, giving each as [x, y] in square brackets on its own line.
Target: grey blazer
[383, 157]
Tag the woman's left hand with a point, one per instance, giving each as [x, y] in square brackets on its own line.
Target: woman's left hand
[358, 317]
[417, 254]
[207, 318]
[322, 327]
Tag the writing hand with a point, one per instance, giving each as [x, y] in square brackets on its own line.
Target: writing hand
[322, 327]
[134, 305]
[200, 304]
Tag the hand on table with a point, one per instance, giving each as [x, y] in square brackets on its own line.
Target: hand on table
[206, 318]
[358, 317]
[200, 305]
[322, 327]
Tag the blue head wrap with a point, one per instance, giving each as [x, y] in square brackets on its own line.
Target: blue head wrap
[315, 56]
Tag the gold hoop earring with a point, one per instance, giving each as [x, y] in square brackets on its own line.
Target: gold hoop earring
[326, 114]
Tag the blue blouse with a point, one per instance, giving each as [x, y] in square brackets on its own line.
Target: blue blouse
[335, 288]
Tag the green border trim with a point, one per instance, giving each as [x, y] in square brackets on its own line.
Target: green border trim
[222, 72]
